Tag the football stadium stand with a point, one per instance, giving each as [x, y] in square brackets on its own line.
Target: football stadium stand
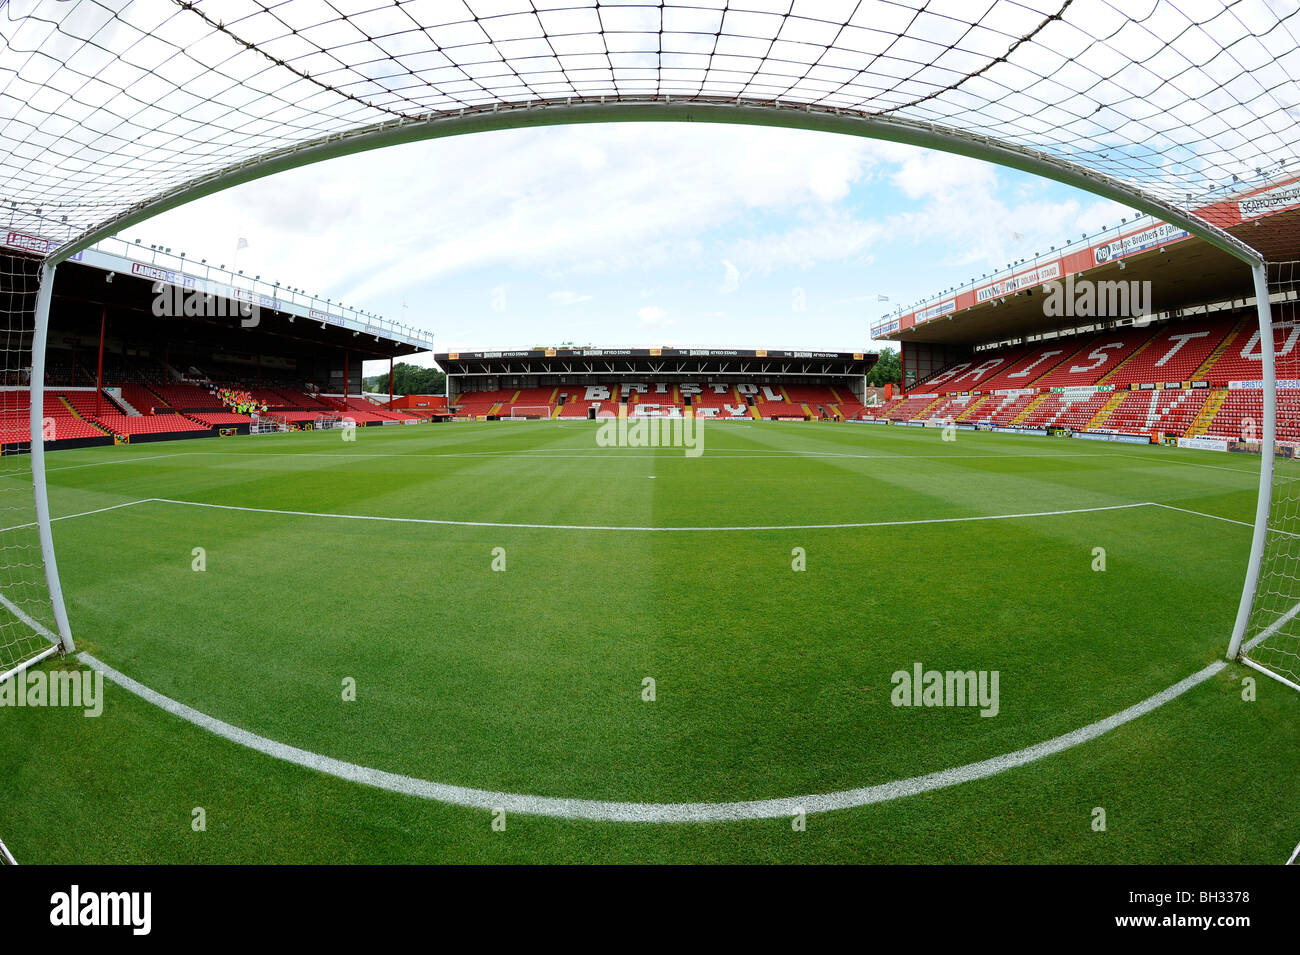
[1185, 378]
[711, 400]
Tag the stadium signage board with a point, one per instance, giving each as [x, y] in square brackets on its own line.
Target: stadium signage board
[1282, 383]
[1036, 276]
[934, 311]
[27, 243]
[1157, 235]
[1112, 436]
[1204, 444]
[536, 353]
[1041, 432]
[1081, 389]
[1269, 201]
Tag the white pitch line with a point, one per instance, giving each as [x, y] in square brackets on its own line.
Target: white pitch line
[596, 454]
[1213, 517]
[1189, 464]
[644, 529]
[1294, 855]
[1276, 531]
[611, 811]
[68, 517]
[124, 460]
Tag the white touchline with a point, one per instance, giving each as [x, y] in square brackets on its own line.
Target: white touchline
[642, 529]
[68, 517]
[594, 454]
[609, 811]
[1189, 464]
[623, 527]
[1213, 517]
[123, 460]
[1276, 531]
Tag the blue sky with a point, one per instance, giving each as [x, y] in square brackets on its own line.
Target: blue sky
[635, 234]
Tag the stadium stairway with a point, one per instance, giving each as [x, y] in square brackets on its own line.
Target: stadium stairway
[1029, 409]
[1102, 416]
[1209, 411]
[125, 405]
[968, 414]
[90, 423]
[925, 413]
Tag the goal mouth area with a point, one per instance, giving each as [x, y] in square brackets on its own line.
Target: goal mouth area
[527, 413]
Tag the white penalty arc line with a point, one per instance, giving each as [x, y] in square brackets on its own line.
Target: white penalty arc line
[624, 527]
[650, 529]
[599, 810]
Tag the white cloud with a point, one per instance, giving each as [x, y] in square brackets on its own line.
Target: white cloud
[837, 237]
[653, 315]
[568, 298]
[731, 279]
[572, 199]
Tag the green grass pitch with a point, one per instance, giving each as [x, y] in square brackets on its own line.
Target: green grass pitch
[769, 682]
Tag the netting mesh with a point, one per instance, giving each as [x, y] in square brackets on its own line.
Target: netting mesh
[25, 608]
[107, 104]
[1273, 637]
[1192, 105]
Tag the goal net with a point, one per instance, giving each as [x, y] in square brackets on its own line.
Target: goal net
[268, 424]
[28, 623]
[114, 111]
[527, 413]
[328, 422]
[1271, 642]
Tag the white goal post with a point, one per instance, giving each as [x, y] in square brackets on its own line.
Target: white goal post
[1124, 103]
[329, 422]
[33, 621]
[527, 413]
[268, 424]
[1266, 636]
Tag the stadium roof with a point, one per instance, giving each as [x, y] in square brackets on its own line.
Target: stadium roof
[1183, 272]
[161, 268]
[649, 362]
[115, 110]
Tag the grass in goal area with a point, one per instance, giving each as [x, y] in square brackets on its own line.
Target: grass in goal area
[769, 682]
